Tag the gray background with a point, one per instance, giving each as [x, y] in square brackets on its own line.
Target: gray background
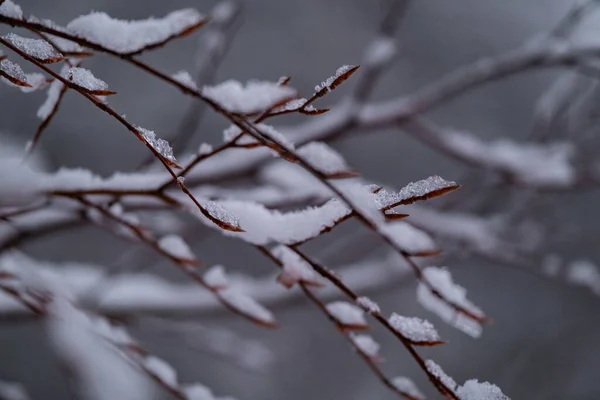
[545, 340]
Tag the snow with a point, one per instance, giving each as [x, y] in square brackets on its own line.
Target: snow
[347, 314]
[161, 369]
[36, 81]
[102, 372]
[197, 391]
[38, 49]
[216, 278]
[221, 213]
[584, 273]
[380, 51]
[438, 372]
[441, 280]
[21, 185]
[407, 386]
[247, 305]
[475, 390]
[547, 164]
[329, 82]
[175, 246]
[295, 268]
[205, 148]
[267, 130]
[13, 391]
[255, 96]
[11, 10]
[361, 199]
[293, 105]
[160, 145]
[52, 96]
[366, 344]
[12, 72]
[415, 329]
[323, 158]
[127, 37]
[263, 226]
[419, 190]
[85, 79]
[408, 238]
[186, 79]
[368, 305]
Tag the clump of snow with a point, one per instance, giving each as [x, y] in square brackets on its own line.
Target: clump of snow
[293, 105]
[205, 148]
[415, 329]
[197, 391]
[366, 344]
[584, 273]
[84, 78]
[441, 280]
[475, 390]
[295, 268]
[380, 51]
[175, 246]
[323, 158]
[52, 96]
[547, 164]
[39, 49]
[216, 278]
[161, 369]
[186, 79]
[160, 145]
[127, 37]
[439, 373]
[11, 10]
[263, 226]
[347, 314]
[247, 305]
[368, 305]
[255, 96]
[36, 81]
[408, 238]
[412, 192]
[328, 83]
[407, 386]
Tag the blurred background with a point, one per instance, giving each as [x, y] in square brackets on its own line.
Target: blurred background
[545, 339]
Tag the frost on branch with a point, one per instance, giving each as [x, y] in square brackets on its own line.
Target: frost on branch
[130, 37]
[347, 315]
[418, 331]
[255, 96]
[221, 216]
[408, 387]
[13, 73]
[38, 49]
[86, 80]
[411, 240]
[420, 190]
[441, 281]
[176, 247]
[366, 345]
[368, 305]
[325, 160]
[475, 390]
[434, 369]
[342, 73]
[9, 9]
[162, 147]
[295, 268]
